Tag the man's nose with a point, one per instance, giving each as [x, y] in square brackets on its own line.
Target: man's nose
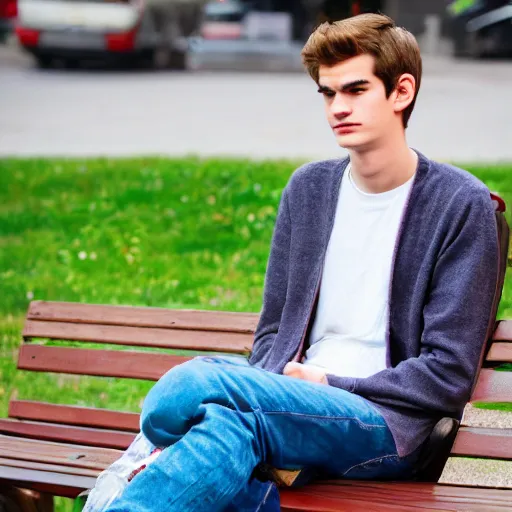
[340, 107]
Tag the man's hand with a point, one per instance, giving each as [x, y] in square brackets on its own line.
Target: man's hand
[309, 373]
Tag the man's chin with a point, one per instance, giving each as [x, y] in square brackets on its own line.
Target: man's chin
[352, 141]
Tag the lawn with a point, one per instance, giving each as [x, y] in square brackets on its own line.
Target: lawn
[186, 233]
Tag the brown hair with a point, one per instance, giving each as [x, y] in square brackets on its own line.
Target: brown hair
[395, 50]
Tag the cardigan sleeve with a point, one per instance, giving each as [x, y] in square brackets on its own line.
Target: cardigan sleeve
[276, 284]
[456, 317]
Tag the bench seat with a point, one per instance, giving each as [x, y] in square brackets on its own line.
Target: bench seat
[60, 449]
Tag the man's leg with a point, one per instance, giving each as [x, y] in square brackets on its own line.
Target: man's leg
[256, 496]
[220, 418]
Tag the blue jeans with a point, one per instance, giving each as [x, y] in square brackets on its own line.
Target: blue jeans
[219, 418]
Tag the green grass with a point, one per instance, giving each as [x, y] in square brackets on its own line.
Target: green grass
[495, 406]
[171, 233]
[185, 233]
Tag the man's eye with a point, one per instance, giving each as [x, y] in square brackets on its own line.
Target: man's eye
[357, 90]
[328, 94]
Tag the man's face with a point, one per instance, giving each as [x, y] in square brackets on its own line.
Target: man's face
[355, 103]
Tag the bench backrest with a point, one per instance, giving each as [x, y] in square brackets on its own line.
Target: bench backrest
[198, 331]
[185, 332]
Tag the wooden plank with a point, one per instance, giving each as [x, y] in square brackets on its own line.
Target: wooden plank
[57, 453]
[494, 443]
[51, 489]
[493, 386]
[67, 434]
[303, 500]
[500, 352]
[72, 415]
[23, 476]
[412, 491]
[143, 316]
[332, 496]
[104, 363]
[140, 336]
[404, 496]
[409, 492]
[48, 467]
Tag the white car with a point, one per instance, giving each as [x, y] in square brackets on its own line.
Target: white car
[75, 30]
[223, 20]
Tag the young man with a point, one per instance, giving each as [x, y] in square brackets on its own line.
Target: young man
[377, 303]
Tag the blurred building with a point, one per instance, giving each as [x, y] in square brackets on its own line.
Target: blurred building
[309, 13]
[463, 27]
[411, 14]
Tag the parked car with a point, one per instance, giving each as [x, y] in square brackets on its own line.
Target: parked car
[481, 27]
[223, 20]
[8, 12]
[130, 30]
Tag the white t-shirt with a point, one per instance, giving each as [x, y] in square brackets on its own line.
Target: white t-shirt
[348, 336]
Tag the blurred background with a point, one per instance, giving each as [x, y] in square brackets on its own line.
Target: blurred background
[224, 77]
[198, 33]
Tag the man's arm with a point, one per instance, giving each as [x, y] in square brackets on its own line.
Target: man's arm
[456, 320]
[276, 284]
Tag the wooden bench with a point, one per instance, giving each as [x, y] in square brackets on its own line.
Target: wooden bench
[59, 449]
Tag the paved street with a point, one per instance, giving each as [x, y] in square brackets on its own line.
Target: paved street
[464, 112]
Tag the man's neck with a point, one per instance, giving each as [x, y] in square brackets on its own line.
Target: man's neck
[381, 169]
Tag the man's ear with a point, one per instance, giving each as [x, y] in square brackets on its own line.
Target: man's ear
[404, 92]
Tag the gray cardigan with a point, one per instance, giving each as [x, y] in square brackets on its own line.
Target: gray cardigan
[444, 276]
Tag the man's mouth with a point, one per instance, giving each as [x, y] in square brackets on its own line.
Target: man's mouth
[345, 127]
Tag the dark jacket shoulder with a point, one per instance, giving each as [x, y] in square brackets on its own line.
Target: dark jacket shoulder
[452, 180]
[315, 171]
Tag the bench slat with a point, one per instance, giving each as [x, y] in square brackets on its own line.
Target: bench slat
[67, 434]
[401, 494]
[143, 316]
[73, 415]
[375, 496]
[57, 453]
[492, 443]
[48, 467]
[59, 484]
[500, 352]
[405, 490]
[61, 480]
[304, 501]
[103, 363]
[140, 336]
[493, 386]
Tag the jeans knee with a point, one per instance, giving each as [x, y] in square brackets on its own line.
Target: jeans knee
[173, 401]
